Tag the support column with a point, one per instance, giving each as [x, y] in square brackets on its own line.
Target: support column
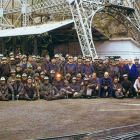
[35, 45]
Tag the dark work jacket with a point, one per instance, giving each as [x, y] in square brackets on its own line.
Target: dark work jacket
[117, 86]
[71, 68]
[13, 86]
[29, 73]
[52, 67]
[133, 72]
[4, 91]
[79, 67]
[100, 70]
[138, 67]
[5, 70]
[25, 66]
[58, 85]
[96, 81]
[123, 70]
[44, 66]
[127, 85]
[61, 69]
[30, 92]
[86, 71]
[46, 87]
[75, 87]
[105, 82]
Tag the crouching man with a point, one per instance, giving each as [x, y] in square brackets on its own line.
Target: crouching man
[94, 84]
[117, 89]
[30, 90]
[4, 96]
[17, 88]
[85, 89]
[75, 88]
[137, 86]
[106, 86]
[126, 87]
[62, 94]
[46, 88]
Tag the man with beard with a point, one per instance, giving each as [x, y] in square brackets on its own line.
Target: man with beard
[17, 88]
[126, 87]
[107, 62]
[46, 88]
[17, 59]
[79, 64]
[94, 84]
[117, 62]
[12, 64]
[29, 71]
[137, 64]
[5, 68]
[106, 86]
[24, 79]
[117, 89]
[87, 70]
[101, 68]
[4, 95]
[71, 68]
[12, 78]
[38, 60]
[30, 90]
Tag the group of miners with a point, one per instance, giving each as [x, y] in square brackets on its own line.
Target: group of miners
[34, 77]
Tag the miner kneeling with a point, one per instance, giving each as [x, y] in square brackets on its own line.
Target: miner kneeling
[30, 90]
[4, 95]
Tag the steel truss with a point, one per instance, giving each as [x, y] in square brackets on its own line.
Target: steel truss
[31, 12]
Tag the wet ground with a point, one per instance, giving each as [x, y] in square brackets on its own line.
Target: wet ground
[21, 120]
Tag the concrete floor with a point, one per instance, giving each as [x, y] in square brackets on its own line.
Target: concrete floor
[21, 120]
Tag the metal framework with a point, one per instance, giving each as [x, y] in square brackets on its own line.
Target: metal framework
[22, 13]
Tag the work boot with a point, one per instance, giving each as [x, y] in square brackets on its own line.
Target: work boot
[48, 98]
[3, 98]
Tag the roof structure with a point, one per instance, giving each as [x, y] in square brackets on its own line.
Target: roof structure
[33, 30]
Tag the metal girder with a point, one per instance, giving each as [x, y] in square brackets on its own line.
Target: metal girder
[83, 12]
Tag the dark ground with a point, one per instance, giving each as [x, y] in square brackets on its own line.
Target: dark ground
[42, 119]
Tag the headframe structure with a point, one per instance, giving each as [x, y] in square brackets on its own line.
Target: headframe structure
[31, 12]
